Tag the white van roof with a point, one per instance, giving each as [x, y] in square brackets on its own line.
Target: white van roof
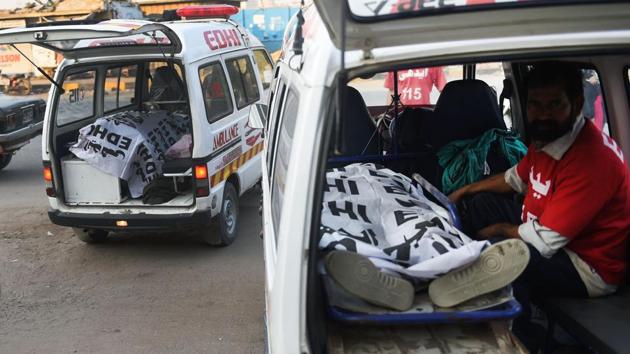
[190, 40]
[483, 33]
[375, 24]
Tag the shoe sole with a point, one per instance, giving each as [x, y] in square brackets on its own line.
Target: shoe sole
[360, 277]
[499, 265]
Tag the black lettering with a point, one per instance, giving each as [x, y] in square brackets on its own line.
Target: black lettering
[402, 216]
[449, 241]
[439, 247]
[125, 143]
[113, 138]
[409, 203]
[340, 186]
[395, 190]
[348, 209]
[354, 189]
[376, 174]
[403, 250]
[98, 130]
[363, 213]
[144, 153]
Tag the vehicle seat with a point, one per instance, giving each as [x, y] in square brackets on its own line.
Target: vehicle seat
[464, 110]
[411, 133]
[360, 135]
[601, 324]
[166, 85]
[410, 130]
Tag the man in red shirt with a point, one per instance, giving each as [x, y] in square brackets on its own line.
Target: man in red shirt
[576, 213]
[415, 85]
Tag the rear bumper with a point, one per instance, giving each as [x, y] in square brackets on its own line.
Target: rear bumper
[16, 139]
[135, 222]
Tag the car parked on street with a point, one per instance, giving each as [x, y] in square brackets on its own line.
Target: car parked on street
[21, 119]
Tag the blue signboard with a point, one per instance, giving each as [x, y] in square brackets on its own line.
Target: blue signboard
[267, 24]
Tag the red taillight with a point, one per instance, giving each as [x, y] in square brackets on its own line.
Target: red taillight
[48, 179]
[201, 181]
[47, 174]
[203, 11]
[201, 172]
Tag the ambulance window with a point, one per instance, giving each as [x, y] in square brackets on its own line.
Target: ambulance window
[419, 86]
[594, 107]
[215, 91]
[283, 156]
[493, 75]
[120, 87]
[265, 67]
[77, 102]
[243, 81]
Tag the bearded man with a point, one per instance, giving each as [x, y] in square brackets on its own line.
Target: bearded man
[575, 217]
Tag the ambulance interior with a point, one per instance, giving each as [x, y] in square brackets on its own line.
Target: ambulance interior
[375, 126]
[122, 135]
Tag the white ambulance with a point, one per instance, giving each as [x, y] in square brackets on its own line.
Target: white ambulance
[326, 111]
[146, 123]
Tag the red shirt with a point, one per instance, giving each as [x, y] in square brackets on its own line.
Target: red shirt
[585, 197]
[415, 85]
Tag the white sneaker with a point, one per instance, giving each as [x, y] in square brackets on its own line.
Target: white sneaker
[360, 277]
[499, 265]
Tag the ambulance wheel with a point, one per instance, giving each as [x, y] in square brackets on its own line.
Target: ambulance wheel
[90, 235]
[224, 227]
[4, 160]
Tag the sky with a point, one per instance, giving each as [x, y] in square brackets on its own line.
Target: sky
[11, 4]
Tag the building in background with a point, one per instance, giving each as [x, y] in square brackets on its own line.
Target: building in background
[266, 23]
[11, 62]
[266, 19]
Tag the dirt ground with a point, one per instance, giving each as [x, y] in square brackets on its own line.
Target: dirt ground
[135, 294]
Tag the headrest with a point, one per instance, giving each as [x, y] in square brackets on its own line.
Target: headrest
[166, 85]
[359, 131]
[467, 108]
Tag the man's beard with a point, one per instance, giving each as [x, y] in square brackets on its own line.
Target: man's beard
[546, 131]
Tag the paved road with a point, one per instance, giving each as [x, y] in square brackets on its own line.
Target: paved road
[149, 293]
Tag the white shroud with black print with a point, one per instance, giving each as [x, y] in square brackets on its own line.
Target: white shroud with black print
[385, 216]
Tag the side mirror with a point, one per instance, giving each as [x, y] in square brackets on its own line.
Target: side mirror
[258, 116]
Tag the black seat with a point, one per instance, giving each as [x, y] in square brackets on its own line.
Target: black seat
[166, 85]
[359, 133]
[601, 323]
[464, 110]
[410, 130]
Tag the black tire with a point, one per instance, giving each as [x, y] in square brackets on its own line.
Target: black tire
[4, 160]
[224, 227]
[91, 235]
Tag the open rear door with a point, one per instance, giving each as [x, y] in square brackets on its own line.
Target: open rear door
[371, 24]
[107, 38]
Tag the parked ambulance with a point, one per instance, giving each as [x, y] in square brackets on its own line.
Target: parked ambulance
[146, 123]
[325, 118]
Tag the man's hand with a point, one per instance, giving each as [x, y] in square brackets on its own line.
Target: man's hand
[504, 230]
[494, 184]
